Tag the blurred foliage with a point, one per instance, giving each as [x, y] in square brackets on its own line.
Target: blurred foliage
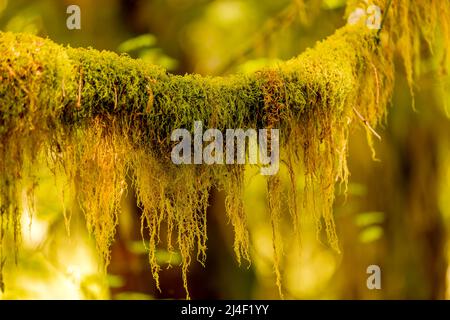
[143, 47]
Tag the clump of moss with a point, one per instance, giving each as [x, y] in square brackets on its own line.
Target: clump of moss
[33, 93]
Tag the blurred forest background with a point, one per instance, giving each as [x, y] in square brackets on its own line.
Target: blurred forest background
[396, 214]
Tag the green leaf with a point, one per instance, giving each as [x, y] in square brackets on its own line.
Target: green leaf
[139, 42]
[115, 281]
[365, 219]
[371, 234]
[162, 256]
[357, 189]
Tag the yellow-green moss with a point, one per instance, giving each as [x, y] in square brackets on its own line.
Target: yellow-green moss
[99, 115]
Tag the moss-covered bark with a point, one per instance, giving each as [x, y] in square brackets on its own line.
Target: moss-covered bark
[72, 85]
[97, 115]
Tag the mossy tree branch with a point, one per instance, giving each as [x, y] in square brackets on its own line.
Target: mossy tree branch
[97, 115]
[80, 84]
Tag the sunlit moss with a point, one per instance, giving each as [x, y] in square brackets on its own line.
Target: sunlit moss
[414, 26]
[102, 115]
[412, 30]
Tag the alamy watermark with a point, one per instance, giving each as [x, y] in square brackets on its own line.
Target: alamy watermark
[374, 280]
[371, 14]
[73, 21]
[215, 147]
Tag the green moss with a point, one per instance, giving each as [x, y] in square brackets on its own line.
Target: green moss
[97, 115]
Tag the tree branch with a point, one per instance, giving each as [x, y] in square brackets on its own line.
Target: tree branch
[71, 85]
